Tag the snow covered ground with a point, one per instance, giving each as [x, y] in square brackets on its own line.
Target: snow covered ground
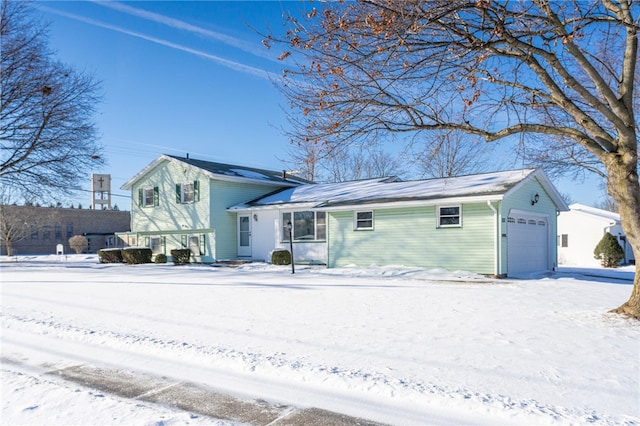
[397, 345]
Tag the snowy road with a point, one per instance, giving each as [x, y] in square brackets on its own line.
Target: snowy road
[387, 344]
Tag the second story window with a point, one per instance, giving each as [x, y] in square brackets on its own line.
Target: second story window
[187, 192]
[148, 197]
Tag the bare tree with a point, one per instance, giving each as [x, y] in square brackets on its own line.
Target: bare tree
[563, 71]
[49, 141]
[453, 154]
[79, 243]
[16, 222]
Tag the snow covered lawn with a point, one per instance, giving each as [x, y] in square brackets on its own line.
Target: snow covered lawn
[396, 345]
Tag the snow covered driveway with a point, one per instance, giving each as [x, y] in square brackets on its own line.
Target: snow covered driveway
[395, 345]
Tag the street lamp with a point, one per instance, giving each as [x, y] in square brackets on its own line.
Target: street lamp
[289, 226]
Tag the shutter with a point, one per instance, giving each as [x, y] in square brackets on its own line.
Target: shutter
[163, 241]
[183, 240]
[178, 193]
[147, 242]
[196, 190]
[202, 246]
[140, 197]
[156, 196]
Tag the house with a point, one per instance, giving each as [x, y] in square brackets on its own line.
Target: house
[579, 231]
[183, 202]
[498, 224]
[41, 229]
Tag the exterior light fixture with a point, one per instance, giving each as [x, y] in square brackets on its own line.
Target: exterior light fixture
[535, 199]
[289, 227]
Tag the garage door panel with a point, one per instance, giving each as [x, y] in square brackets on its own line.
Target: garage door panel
[528, 248]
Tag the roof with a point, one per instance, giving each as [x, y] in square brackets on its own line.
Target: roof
[592, 211]
[222, 171]
[486, 186]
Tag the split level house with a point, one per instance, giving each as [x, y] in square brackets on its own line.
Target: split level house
[499, 224]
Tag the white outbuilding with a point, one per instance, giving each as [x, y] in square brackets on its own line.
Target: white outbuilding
[579, 231]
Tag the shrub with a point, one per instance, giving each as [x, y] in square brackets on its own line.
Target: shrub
[281, 257]
[110, 255]
[79, 243]
[181, 256]
[608, 251]
[136, 255]
[160, 258]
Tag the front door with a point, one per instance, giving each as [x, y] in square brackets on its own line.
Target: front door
[244, 236]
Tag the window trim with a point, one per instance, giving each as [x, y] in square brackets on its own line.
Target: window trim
[180, 192]
[285, 232]
[440, 216]
[357, 222]
[142, 196]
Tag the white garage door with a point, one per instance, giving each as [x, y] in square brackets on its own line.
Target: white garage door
[528, 247]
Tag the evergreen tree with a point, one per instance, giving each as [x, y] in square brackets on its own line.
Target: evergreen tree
[608, 251]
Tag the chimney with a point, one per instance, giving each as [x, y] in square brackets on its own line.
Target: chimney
[187, 155]
[284, 175]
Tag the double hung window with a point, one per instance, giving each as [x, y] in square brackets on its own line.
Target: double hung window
[187, 192]
[364, 220]
[149, 196]
[449, 216]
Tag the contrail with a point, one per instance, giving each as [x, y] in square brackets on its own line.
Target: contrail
[185, 26]
[222, 61]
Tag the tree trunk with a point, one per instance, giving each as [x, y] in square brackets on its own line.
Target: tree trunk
[9, 248]
[623, 186]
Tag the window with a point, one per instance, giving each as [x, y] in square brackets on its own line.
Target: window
[46, 232]
[58, 231]
[306, 226]
[187, 192]
[69, 230]
[34, 231]
[364, 220]
[564, 240]
[449, 216]
[195, 243]
[156, 245]
[148, 197]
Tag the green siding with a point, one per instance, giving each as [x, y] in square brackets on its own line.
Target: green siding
[521, 200]
[409, 236]
[208, 215]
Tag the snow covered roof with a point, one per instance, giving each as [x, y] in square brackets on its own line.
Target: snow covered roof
[223, 171]
[386, 190]
[605, 214]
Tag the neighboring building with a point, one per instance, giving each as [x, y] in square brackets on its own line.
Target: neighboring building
[181, 202]
[500, 224]
[46, 227]
[580, 230]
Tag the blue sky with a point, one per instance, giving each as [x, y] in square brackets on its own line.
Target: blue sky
[185, 77]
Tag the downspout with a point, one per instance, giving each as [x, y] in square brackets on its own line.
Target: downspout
[496, 240]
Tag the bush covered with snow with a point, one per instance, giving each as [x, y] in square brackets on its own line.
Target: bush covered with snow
[281, 257]
[136, 255]
[181, 256]
[110, 255]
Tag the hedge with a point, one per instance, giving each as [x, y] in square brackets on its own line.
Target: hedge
[281, 257]
[136, 255]
[181, 256]
[110, 255]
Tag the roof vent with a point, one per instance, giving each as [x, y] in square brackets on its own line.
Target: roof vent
[284, 175]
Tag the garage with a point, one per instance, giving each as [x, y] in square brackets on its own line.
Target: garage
[527, 242]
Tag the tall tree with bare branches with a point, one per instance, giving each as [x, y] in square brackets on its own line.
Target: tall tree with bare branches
[560, 74]
[48, 139]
